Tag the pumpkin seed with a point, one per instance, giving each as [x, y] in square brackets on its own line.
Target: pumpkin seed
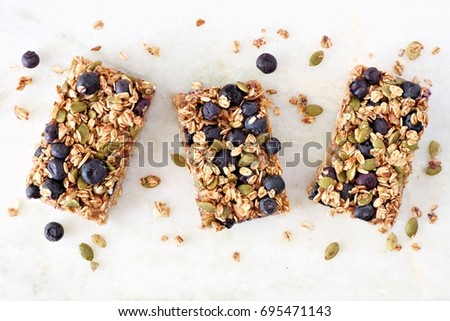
[78, 107]
[74, 173]
[343, 155]
[369, 164]
[86, 251]
[433, 168]
[72, 204]
[99, 189]
[207, 206]
[411, 227]
[351, 173]
[178, 159]
[134, 131]
[93, 65]
[61, 116]
[313, 110]
[340, 141]
[245, 189]
[98, 240]
[261, 138]
[110, 166]
[242, 86]
[386, 91]
[94, 265]
[434, 148]
[364, 124]
[366, 199]
[396, 81]
[362, 134]
[217, 145]
[232, 178]
[316, 58]
[94, 98]
[246, 160]
[377, 143]
[150, 181]
[331, 251]
[391, 242]
[83, 130]
[325, 182]
[394, 137]
[352, 139]
[213, 184]
[354, 104]
[92, 114]
[413, 50]
[410, 147]
[81, 184]
[226, 212]
[342, 177]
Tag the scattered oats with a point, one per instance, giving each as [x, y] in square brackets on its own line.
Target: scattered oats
[153, 50]
[416, 80]
[123, 56]
[432, 217]
[24, 81]
[98, 240]
[370, 55]
[200, 22]
[160, 209]
[271, 91]
[94, 266]
[428, 82]
[263, 30]
[21, 113]
[398, 247]
[237, 256]
[196, 85]
[401, 52]
[57, 70]
[326, 42]
[399, 68]
[150, 181]
[435, 50]
[96, 48]
[433, 208]
[416, 211]
[287, 235]
[283, 33]
[293, 100]
[277, 111]
[416, 246]
[98, 25]
[178, 239]
[236, 46]
[306, 226]
[164, 238]
[259, 42]
[13, 209]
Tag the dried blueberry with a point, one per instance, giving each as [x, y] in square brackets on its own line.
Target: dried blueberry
[345, 193]
[32, 191]
[51, 132]
[268, 205]
[223, 158]
[329, 172]
[140, 107]
[188, 138]
[365, 213]
[88, 83]
[93, 171]
[236, 136]
[249, 108]
[365, 149]
[407, 122]
[359, 88]
[38, 152]
[55, 187]
[53, 231]
[368, 180]
[122, 86]
[56, 169]
[212, 132]
[411, 90]
[210, 111]
[243, 179]
[256, 125]
[232, 93]
[372, 75]
[380, 125]
[314, 191]
[30, 59]
[266, 63]
[273, 145]
[59, 150]
[274, 182]
[229, 222]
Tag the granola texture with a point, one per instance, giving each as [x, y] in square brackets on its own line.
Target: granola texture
[105, 127]
[222, 198]
[337, 185]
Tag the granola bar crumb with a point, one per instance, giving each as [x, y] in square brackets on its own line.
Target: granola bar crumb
[98, 25]
[259, 42]
[236, 256]
[398, 247]
[287, 235]
[399, 68]
[13, 209]
[160, 209]
[432, 215]
[96, 48]
[416, 211]
[416, 80]
[24, 81]
[283, 33]
[153, 50]
[293, 100]
[416, 246]
[370, 55]
[271, 91]
[123, 56]
[178, 239]
[200, 22]
[21, 113]
[433, 208]
[236, 46]
[435, 50]
[277, 111]
[428, 82]
[401, 52]
[306, 226]
[164, 238]
[263, 30]
[57, 70]
[326, 42]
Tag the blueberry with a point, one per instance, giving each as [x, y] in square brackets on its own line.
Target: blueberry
[233, 94]
[39, 151]
[266, 63]
[359, 88]
[32, 191]
[210, 111]
[243, 179]
[256, 125]
[51, 132]
[274, 182]
[212, 132]
[345, 193]
[249, 108]
[411, 90]
[140, 107]
[122, 86]
[365, 149]
[365, 213]
[268, 205]
[55, 187]
[56, 168]
[59, 150]
[372, 76]
[53, 231]
[229, 222]
[93, 171]
[314, 191]
[407, 122]
[30, 59]
[236, 136]
[380, 125]
[88, 83]
[369, 180]
[329, 172]
[188, 138]
[273, 145]
[223, 158]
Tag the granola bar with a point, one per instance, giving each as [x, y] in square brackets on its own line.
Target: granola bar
[80, 163]
[231, 153]
[380, 122]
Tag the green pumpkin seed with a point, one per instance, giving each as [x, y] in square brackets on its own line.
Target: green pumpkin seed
[242, 86]
[178, 159]
[352, 139]
[226, 213]
[61, 116]
[150, 181]
[316, 58]
[331, 251]
[232, 178]
[391, 242]
[369, 164]
[377, 143]
[342, 177]
[394, 137]
[83, 130]
[343, 155]
[98, 240]
[93, 65]
[365, 200]
[410, 147]
[74, 173]
[325, 182]
[246, 160]
[413, 50]
[207, 206]
[207, 221]
[99, 189]
[313, 110]
[217, 145]
[245, 189]
[213, 184]
[72, 204]
[110, 183]
[411, 227]
[134, 131]
[110, 166]
[386, 91]
[364, 124]
[94, 266]
[78, 107]
[354, 104]
[261, 138]
[92, 114]
[86, 252]
[94, 98]
[396, 81]
[340, 141]
[362, 134]
[81, 184]
[434, 148]
[433, 168]
[351, 173]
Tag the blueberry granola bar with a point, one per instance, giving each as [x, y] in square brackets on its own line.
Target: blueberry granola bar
[231, 153]
[377, 130]
[84, 150]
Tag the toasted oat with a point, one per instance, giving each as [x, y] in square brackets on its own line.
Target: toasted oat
[271, 91]
[160, 209]
[416, 211]
[433, 208]
[24, 81]
[123, 56]
[399, 68]
[150, 181]
[57, 70]
[164, 238]
[307, 226]
[416, 246]
[428, 82]
[435, 50]
[287, 235]
[196, 85]
[178, 239]
[416, 80]
[236, 256]
[199, 22]
[13, 209]
[98, 25]
[21, 113]
[293, 100]
[398, 247]
[263, 30]
[259, 42]
[326, 42]
[153, 50]
[277, 111]
[401, 52]
[96, 48]
[283, 33]
[236, 46]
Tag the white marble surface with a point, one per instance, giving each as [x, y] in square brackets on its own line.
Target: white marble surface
[136, 264]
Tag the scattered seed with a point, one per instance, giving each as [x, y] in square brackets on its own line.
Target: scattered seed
[416, 211]
[370, 55]
[313, 110]
[433, 168]
[277, 111]
[178, 239]
[293, 100]
[391, 242]
[433, 208]
[416, 246]
[96, 48]
[21, 113]
[153, 50]
[150, 181]
[13, 209]
[178, 159]
[331, 251]
[98, 240]
[200, 22]
[287, 235]
[411, 227]
[94, 266]
[57, 70]
[398, 247]
[98, 25]
[164, 238]
[283, 33]
[160, 209]
[326, 42]
[86, 251]
[24, 81]
[123, 56]
[316, 58]
[432, 217]
[413, 50]
[307, 226]
[435, 50]
[399, 68]
[259, 42]
[434, 148]
[401, 52]
[236, 256]
[428, 82]
[236, 46]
